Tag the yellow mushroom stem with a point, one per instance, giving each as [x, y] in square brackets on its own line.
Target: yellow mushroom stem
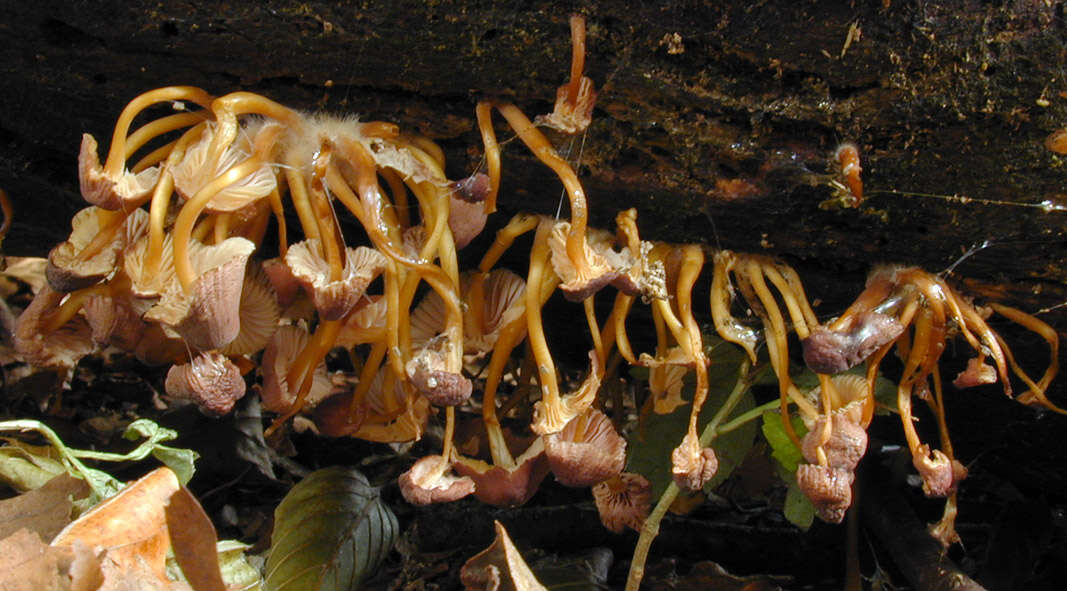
[105, 235]
[117, 152]
[543, 150]
[229, 107]
[594, 327]
[368, 208]
[298, 194]
[158, 127]
[1036, 392]
[399, 196]
[916, 358]
[278, 210]
[876, 293]
[223, 223]
[617, 323]
[691, 264]
[301, 373]
[183, 225]
[538, 271]
[71, 305]
[577, 23]
[484, 113]
[160, 200]
[509, 338]
[203, 228]
[728, 327]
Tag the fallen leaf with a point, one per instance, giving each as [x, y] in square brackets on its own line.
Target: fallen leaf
[45, 511]
[27, 564]
[193, 539]
[330, 533]
[499, 567]
[131, 525]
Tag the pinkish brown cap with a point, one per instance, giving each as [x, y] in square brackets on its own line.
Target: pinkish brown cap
[429, 375]
[116, 320]
[692, 466]
[503, 303]
[194, 172]
[427, 483]
[62, 347]
[473, 189]
[623, 501]
[334, 299]
[571, 118]
[108, 192]
[504, 487]
[940, 474]
[829, 490]
[596, 454]
[828, 351]
[577, 286]
[465, 219]
[259, 315]
[285, 284]
[157, 347]
[977, 373]
[209, 317]
[210, 380]
[844, 449]
[66, 273]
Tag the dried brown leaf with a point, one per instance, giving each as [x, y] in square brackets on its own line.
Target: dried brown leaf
[45, 511]
[499, 567]
[193, 538]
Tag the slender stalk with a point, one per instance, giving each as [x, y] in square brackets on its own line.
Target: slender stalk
[650, 529]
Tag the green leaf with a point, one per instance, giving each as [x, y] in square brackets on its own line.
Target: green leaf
[650, 445]
[180, 461]
[236, 570]
[798, 508]
[782, 447]
[330, 532]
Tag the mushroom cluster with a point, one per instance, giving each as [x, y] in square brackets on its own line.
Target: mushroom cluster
[163, 264]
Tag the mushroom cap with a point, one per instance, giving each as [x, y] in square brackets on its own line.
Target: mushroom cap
[365, 324]
[505, 487]
[427, 372]
[194, 172]
[210, 380]
[466, 220]
[61, 348]
[571, 118]
[665, 382]
[828, 351]
[844, 449]
[286, 285]
[587, 451]
[940, 474]
[578, 286]
[158, 347]
[334, 299]
[829, 490]
[424, 483]
[282, 349]
[623, 501]
[692, 466]
[208, 317]
[116, 320]
[66, 273]
[977, 373]
[473, 189]
[258, 315]
[109, 192]
[150, 283]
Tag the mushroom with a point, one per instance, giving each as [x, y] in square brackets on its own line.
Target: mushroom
[112, 187]
[210, 380]
[334, 298]
[575, 100]
[426, 482]
[623, 501]
[586, 451]
[91, 252]
[829, 490]
[278, 393]
[44, 346]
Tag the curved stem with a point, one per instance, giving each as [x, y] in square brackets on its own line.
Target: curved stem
[116, 156]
